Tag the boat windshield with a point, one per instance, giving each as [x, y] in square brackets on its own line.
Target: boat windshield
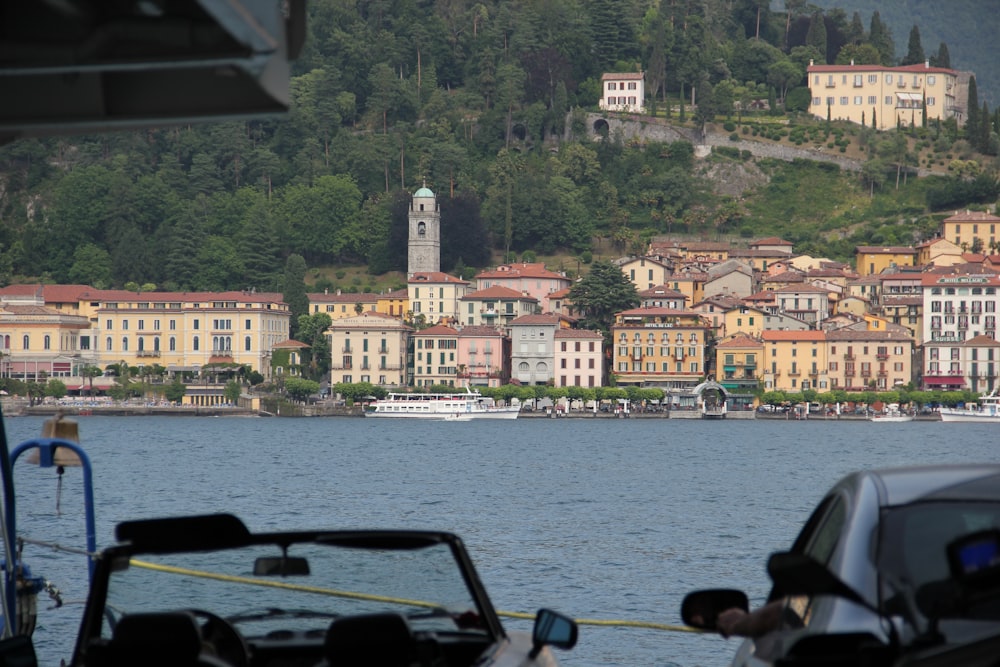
[425, 584]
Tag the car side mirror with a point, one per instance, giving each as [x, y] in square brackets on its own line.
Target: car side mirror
[552, 629]
[701, 609]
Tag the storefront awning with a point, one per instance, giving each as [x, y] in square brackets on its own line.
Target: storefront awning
[912, 97]
[957, 381]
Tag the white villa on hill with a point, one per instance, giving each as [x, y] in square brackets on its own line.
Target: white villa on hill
[623, 91]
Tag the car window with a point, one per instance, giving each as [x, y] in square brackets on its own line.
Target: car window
[915, 538]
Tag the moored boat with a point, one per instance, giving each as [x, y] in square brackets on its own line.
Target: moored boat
[987, 410]
[455, 406]
[892, 417]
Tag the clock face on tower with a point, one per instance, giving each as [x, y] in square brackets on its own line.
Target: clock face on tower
[421, 258]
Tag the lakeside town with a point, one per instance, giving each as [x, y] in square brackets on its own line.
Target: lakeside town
[757, 320]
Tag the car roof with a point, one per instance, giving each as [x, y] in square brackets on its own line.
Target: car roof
[905, 485]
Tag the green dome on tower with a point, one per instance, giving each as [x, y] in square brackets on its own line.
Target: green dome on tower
[423, 192]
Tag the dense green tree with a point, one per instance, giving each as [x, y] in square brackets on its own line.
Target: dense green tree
[312, 331]
[972, 109]
[221, 267]
[464, 235]
[914, 50]
[91, 266]
[784, 74]
[175, 390]
[943, 58]
[300, 389]
[880, 37]
[816, 37]
[294, 290]
[602, 293]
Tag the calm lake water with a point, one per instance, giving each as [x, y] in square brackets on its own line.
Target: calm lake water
[601, 519]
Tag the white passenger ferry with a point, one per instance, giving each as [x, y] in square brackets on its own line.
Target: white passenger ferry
[458, 406]
[987, 410]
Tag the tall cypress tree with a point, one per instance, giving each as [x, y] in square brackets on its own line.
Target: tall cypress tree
[914, 49]
[972, 108]
[881, 38]
[983, 144]
[816, 36]
[294, 291]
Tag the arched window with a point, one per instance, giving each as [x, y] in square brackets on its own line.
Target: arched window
[6, 342]
[26, 342]
[229, 343]
[246, 343]
[142, 344]
[47, 342]
[124, 344]
[107, 344]
[523, 367]
[421, 229]
[173, 344]
[156, 344]
[195, 343]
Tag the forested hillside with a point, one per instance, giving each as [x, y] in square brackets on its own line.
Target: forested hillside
[483, 103]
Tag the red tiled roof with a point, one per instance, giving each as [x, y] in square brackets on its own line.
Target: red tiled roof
[437, 330]
[621, 75]
[521, 270]
[776, 335]
[972, 216]
[290, 344]
[771, 240]
[435, 277]
[355, 297]
[476, 331]
[885, 250]
[740, 340]
[498, 292]
[578, 333]
[918, 68]
[541, 318]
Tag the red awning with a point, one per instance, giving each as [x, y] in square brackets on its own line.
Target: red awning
[958, 381]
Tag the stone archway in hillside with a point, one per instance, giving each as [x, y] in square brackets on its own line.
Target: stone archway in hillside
[601, 128]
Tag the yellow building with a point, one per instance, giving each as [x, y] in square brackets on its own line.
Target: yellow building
[185, 331]
[394, 304]
[795, 361]
[738, 363]
[436, 297]
[37, 342]
[940, 251]
[870, 355]
[744, 319]
[645, 272]
[972, 229]
[369, 347]
[872, 260]
[339, 304]
[659, 347]
[435, 356]
[893, 95]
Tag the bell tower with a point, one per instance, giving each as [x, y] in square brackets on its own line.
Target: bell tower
[424, 246]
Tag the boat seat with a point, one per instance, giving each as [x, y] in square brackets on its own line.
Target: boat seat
[159, 639]
[384, 639]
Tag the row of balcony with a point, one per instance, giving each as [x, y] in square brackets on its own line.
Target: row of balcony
[365, 367]
[351, 350]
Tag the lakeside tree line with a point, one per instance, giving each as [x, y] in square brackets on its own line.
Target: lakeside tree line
[475, 99]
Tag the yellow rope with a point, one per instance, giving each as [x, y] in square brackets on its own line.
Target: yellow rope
[381, 598]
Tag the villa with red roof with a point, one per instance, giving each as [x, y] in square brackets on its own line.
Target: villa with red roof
[531, 278]
[495, 306]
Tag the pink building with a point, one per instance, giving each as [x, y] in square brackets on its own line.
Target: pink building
[483, 356]
[532, 279]
[579, 358]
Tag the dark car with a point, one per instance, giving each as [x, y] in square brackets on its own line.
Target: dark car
[205, 591]
[893, 566]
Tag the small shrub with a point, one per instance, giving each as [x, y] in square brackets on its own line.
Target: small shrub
[734, 137]
[729, 126]
[746, 130]
[340, 274]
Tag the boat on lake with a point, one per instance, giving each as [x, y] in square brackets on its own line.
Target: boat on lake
[987, 410]
[892, 417]
[454, 406]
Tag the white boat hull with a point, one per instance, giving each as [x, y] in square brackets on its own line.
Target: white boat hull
[452, 407]
[970, 416]
[505, 413]
[892, 418]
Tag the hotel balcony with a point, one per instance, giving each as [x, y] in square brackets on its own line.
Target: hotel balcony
[390, 367]
[866, 374]
[488, 313]
[794, 374]
[883, 374]
[347, 350]
[156, 353]
[882, 357]
[849, 373]
[849, 357]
